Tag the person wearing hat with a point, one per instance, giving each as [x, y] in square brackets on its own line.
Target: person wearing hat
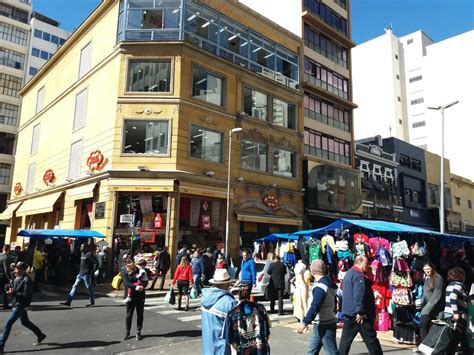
[21, 291]
[321, 312]
[216, 302]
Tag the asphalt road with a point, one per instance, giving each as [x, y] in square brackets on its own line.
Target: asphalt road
[100, 329]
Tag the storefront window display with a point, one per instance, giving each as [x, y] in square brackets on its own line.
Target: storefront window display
[201, 221]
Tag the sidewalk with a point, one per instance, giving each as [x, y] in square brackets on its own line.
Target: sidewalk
[100, 291]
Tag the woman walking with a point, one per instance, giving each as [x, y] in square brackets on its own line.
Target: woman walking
[130, 277]
[197, 266]
[433, 301]
[184, 277]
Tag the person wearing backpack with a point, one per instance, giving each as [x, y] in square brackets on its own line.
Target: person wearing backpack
[322, 312]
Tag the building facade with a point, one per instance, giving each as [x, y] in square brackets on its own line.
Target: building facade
[141, 122]
[14, 35]
[46, 38]
[379, 181]
[398, 79]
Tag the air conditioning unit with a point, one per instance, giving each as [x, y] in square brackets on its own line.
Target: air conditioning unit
[268, 73]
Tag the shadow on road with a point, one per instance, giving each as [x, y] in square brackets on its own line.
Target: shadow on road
[180, 333]
[74, 345]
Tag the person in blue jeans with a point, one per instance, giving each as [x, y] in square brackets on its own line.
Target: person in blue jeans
[321, 312]
[21, 291]
[197, 265]
[88, 262]
[248, 273]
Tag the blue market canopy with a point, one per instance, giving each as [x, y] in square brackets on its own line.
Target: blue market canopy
[59, 233]
[278, 236]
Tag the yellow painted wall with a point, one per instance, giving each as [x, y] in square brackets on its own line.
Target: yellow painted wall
[464, 189]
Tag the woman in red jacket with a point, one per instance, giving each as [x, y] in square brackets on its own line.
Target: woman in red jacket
[184, 276]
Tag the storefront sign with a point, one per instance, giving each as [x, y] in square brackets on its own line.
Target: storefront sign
[148, 237]
[99, 210]
[18, 188]
[49, 177]
[127, 218]
[271, 200]
[96, 161]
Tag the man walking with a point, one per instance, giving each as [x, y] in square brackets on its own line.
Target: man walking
[88, 262]
[277, 272]
[216, 302]
[38, 266]
[5, 274]
[21, 292]
[358, 306]
[162, 266]
[248, 273]
[322, 312]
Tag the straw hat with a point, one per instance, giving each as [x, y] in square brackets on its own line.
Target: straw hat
[221, 276]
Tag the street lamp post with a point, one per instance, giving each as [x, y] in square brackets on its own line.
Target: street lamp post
[441, 193]
[227, 221]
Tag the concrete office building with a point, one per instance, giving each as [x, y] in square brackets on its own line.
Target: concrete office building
[14, 34]
[46, 38]
[398, 78]
[332, 184]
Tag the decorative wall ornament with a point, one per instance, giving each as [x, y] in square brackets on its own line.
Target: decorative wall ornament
[148, 111]
[271, 200]
[49, 178]
[96, 161]
[256, 204]
[208, 120]
[18, 189]
[283, 142]
[254, 134]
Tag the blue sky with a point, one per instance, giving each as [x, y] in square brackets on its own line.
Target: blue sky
[439, 19]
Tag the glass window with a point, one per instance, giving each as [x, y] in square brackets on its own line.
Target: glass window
[35, 52]
[46, 36]
[149, 76]
[5, 171]
[283, 162]
[255, 103]
[284, 114]
[11, 59]
[54, 39]
[62, 41]
[207, 87]
[7, 141]
[33, 71]
[10, 85]
[13, 34]
[145, 137]
[206, 144]
[8, 114]
[44, 55]
[38, 34]
[254, 156]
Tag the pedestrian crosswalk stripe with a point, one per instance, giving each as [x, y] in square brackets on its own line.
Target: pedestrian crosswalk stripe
[190, 318]
[171, 311]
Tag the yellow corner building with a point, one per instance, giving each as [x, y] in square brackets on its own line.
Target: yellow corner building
[126, 130]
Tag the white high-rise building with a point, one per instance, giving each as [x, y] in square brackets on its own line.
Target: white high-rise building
[46, 38]
[396, 79]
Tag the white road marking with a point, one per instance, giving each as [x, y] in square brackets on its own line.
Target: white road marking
[190, 318]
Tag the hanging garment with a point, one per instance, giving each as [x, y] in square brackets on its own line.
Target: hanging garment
[195, 212]
[300, 295]
[382, 295]
[400, 279]
[377, 242]
[405, 333]
[358, 237]
[342, 245]
[328, 240]
[247, 329]
[301, 246]
[382, 323]
[383, 256]
[401, 265]
[362, 249]
[345, 255]
[400, 249]
[314, 250]
[401, 296]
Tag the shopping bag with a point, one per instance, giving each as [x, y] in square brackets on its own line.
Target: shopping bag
[438, 339]
[193, 294]
[232, 270]
[170, 297]
[271, 292]
[117, 282]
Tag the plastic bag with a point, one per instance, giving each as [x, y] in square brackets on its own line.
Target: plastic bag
[170, 296]
[193, 294]
[117, 282]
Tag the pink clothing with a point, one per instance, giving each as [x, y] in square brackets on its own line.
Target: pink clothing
[377, 242]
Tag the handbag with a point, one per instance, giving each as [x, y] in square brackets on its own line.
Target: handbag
[439, 338]
[170, 296]
[117, 282]
[232, 270]
[193, 294]
[401, 297]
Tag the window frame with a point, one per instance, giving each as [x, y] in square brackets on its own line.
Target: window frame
[267, 151]
[150, 59]
[267, 112]
[223, 85]
[294, 162]
[8, 174]
[222, 159]
[79, 73]
[295, 118]
[137, 119]
[86, 90]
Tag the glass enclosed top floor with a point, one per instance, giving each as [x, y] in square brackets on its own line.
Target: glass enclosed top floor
[186, 20]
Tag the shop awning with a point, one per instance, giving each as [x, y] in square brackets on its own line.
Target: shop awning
[203, 190]
[278, 236]
[8, 213]
[141, 185]
[81, 192]
[269, 219]
[38, 205]
[59, 233]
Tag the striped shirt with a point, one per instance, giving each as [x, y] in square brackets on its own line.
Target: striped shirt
[456, 303]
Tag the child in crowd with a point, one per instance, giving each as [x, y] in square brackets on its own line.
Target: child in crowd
[142, 278]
